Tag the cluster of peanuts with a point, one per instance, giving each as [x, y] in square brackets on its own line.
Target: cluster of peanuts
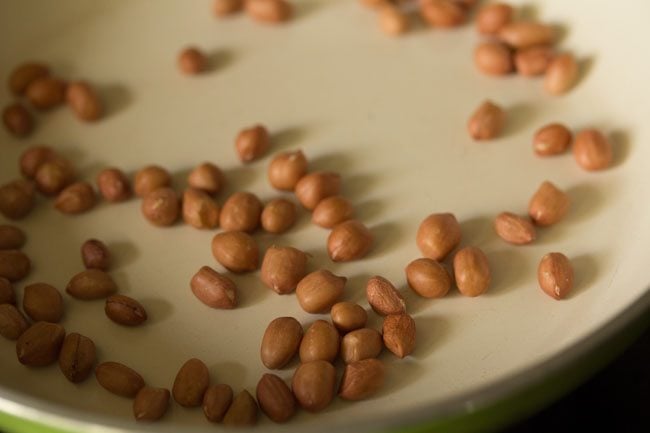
[283, 269]
[35, 82]
[395, 16]
[523, 46]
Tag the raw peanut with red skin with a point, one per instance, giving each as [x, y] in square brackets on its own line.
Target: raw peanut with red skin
[269, 11]
[149, 179]
[471, 271]
[241, 212]
[316, 186]
[222, 8]
[592, 151]
[40, 344]
[533, 61]
[349, 240]
[280, 342]
[14, 265]
[383, 297]
[361, 344]
[236, 251]
[206, 177]
[242, 412]
[192, 61]
[321, 341]
[514, 229]
[314, 385]
[42, 302]
[91, 284]
[214, 289]
[332, 211]
[113, 185]
[278, 215]
[275, 398]
[319, 290]
[286, 169]
[119, 379]
[7, 293]
[493, 58]
[161, 207]
[442, 13]
[23, 75]
[374, 4]
[552, 139]
[125, 310]
[437, 235]
[192, 380]
[17, 199]
[77, 357]
[361, 379]
[17, 120]
[32, 158]
[398, 332]
[491, 18]
[348, 316]
[428, 278]
[252, 143]
[216, 401]
[54, 175]
[548, 205]
[561, 74]
[84, 101]
[12, 322]
[486, 122]
[199, 209]
[11, 237]
[95, 255]
[46, 93]
[283, 268]
[555, 275]
[392, 21]
[523, 34]
[150, 404]
[76, 198]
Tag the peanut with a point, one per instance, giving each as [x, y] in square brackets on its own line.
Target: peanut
[236, 251]
[555, 275]
[321, 341]
[442, 13]
[17, 199]
[592, 151]
[216, 401]
[493, 58]
[83, 99]
[42, 302]
[113, 185]
[487, 121]
[349, 240]
[214, 289]
[23, 75]
[280, 342]
[76, 198]
[332, 211]
[548, 205]
[491, 18]
[241, 212]
[243, 410]
[207, 177]
[316, 186]
[283, 268]
[278, 215]
[533, 61]
[314, 385]
[12, 322]
[428, 278]
[363, 343]
[54, 175]
[552, 139]
[7, 293]
[91, 284]
[18, 120]
[149, 179]
[268, 11]
[46, 93]
[561, 74]
[286, 169]
[40, 344]
[161, 207]
[14, 265]
[192, 61]
[192, 380]
[318, 291]
[361, 379]
[199, 209]
[125, 310]
[383, 297]
[347, 316]
[11, 237]
[150, 404]
[275, 398]
[253, 142]
[95, 255]
[32, 158]
[437, 235]
[119, 379]
[77, 357]
[398, 332]
[514, 229]
[472, 271]
[523, 34]
[392, 21]
[221, 8]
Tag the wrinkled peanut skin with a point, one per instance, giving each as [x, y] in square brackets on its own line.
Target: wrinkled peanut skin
[514, 229]
[125, 310]
[275, 398]
[383, 297]
[77, 357]
[398, 332]
[39, 345]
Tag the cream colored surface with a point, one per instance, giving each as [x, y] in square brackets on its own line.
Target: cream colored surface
[389, 115]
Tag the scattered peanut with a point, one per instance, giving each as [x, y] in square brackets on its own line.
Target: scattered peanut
[316, 186]
[76, 198]
[487, 121]
[349, 240]
[243, 410]
[318, 291]
[206, 177]
[332, 211]
[268, 11]
[592, 151]
[361, 379]
[314, 385]
[392, 21]
[113, 185]
[40, 344]
[383, 297]
[348, 316]
[46, 93]
[12, 322]
[214, 289]
[428, 278]
[533, 61]
[363, 343]
[236, 251]
[280, 342]
[91, 284]
[83, 99]
[252, 143]
[514, 228]
[42, 302]
[491, 18]
[278, 215]
[23, 75]
[552, 139]
[523, 34]
[275, 398]
[192, 380]
[14, 265]
[472, 271]
[283, 268]
[11, 237]
[125, 310]
[16, 199]
[119, 379]
[32, 158]
[222, 8]
[161, 207]
[398, 332]
[555, 275]
[95, 255]
[150, 404]
[199, 209]
[286, 169]
[241, 212]
[17, 120]
[442, 13]
[216, 401]
[437, 235]
[192, 61]
[493, 58]
[77, 357]
[53, 175]
[149, 179]
[7, 293]
[548, 205]
[561, 74]
[321, 341]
